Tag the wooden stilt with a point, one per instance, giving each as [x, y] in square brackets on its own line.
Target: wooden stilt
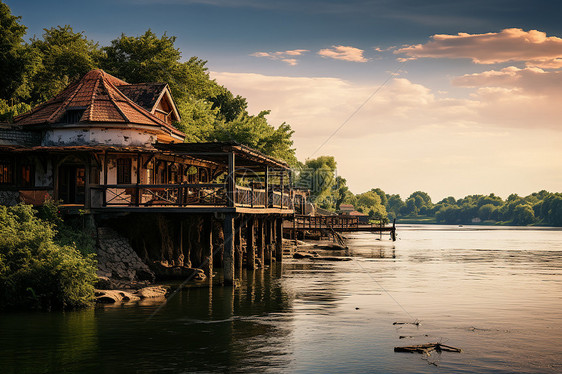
[261, 240]
[238, 254]
[228, 255]
[279, 239]
[268, 241]
[250, 248]
[209, 244]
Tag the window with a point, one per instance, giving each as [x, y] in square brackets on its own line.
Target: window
[123, 171]
[6, 172]
[73, 116]
[27, 175]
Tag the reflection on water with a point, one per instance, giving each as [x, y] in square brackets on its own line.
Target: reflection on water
[494, 292]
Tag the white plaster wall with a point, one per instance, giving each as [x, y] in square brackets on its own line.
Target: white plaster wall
[97, 136]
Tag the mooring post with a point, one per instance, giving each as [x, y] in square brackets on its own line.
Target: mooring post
[250, 249]
[228, 255]
[393, 232]
[279, 241]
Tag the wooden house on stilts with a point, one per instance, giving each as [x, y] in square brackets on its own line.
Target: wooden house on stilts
[108, 149]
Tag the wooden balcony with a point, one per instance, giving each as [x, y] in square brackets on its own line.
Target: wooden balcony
[186, 197]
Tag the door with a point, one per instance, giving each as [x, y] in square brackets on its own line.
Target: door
[72, 181]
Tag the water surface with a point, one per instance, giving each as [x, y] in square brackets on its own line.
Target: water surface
[494, 292]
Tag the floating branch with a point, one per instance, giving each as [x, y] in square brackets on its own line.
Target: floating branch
[427, 348]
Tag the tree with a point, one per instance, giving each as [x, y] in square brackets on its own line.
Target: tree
[15, 61]
[64, 56]
[318, 176]
[35, 271]
[370, 202]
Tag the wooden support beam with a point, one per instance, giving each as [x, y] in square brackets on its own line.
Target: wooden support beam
[87, 182]
[279, 239]
[208, 240]
[268, 240]
[228, 255]
[238, 255]
[250, 248]
[231, 180]
[261, 240]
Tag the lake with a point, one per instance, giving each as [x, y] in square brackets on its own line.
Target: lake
[494, 292]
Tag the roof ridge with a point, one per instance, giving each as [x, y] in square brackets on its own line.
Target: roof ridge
[94, 93]
[112, 99]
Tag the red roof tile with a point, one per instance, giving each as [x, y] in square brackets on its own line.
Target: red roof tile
[97, 93]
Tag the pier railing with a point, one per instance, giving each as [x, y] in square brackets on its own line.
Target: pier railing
[185, 195]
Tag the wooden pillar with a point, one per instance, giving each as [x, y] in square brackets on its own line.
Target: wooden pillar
[228, 254]
[87, 181]
[268, 240]
[250, 248]
[268, 199]
[238, 243]
[231, 180]
[208, 240]
[279, 239]
[137, 188]
[105, 166]
[271, 246]
[261, 240]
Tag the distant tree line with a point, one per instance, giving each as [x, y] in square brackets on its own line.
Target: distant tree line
[36, 70]
[329, 191]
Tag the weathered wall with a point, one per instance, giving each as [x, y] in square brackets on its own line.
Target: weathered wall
[97, 136]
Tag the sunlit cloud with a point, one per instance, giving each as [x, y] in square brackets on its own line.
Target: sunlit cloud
[510, 128]
[533, 47]
[533, 80]
[345, 53]
[285, 56]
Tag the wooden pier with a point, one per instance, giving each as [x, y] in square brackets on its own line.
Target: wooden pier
[302, 224]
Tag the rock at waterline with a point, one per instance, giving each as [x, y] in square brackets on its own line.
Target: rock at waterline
[120, 296]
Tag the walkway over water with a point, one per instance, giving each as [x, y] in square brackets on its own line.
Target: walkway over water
[342, 223]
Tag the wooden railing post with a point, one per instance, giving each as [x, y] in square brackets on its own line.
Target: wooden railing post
[231, 193]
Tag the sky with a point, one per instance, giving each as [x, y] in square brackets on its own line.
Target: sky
[448, 97]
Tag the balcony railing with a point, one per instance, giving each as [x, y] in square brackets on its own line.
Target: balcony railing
[185, 195]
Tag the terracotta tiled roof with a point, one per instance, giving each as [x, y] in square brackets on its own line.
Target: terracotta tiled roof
[144, 94]
[98, 95]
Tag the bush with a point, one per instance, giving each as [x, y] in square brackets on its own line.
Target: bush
[35, 271]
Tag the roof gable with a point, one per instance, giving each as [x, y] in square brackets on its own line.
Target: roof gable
[155, 98]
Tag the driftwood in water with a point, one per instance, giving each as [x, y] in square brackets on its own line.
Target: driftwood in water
[427, 348]
[416, 322]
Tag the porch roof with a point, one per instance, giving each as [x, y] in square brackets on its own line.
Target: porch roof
[218, 152]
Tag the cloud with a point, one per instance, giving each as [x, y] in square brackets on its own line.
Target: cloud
[530, 80]
[341, 52]
[409, 132]
[282, 55]
[533, 47]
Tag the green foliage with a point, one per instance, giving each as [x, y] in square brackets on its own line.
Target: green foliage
[370, 203]
[319, 176]
[35, 271]
[8, 112]
[15, 59]
[64, 56]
